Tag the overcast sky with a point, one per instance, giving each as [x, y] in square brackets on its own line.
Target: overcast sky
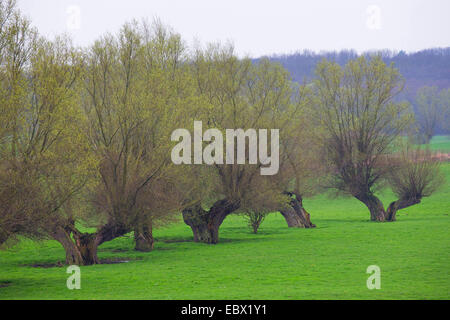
[260, 27]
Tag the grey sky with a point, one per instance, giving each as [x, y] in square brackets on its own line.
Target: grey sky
[260, 27]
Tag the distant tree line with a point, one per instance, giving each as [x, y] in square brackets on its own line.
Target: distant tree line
[425, 68]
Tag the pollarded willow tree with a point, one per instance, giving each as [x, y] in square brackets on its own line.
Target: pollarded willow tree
[428, 112]
[415, 175]
[300, 171]
[44, 159]
[137, 91]
[432, 109]
[254, 98]
[361, 123]
[17, 40]
[56, 136]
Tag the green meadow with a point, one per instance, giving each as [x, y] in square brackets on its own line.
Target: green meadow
[440, 143]
[328, 262]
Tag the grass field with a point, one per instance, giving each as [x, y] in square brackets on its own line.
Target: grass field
[440, 143]
[328, 262]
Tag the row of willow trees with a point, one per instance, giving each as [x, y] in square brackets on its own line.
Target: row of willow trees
[85, 137]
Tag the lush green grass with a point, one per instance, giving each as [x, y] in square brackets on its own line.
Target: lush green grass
[440, 143]
[328, 262]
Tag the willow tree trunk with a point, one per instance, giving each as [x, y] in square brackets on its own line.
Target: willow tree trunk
[73, 254]
[391, 212]
[295, 215]
[205, 224]
[143, 237]
[88, 244]
[81, 249]
[375, 206]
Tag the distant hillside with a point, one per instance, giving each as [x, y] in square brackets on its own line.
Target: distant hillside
[429, 67]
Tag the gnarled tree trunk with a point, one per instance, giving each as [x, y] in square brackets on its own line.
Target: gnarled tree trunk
[143, 237]
[87, 244]
[81, 250]
[375, 206]
[295, 215]
[391, 211]
[73, 254]
[205, 224]
[377, 212]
